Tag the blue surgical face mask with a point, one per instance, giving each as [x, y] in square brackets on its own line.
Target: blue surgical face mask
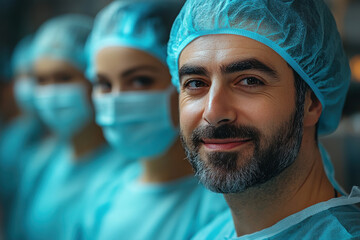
[64, 108]
[24, 94]
[137, 124]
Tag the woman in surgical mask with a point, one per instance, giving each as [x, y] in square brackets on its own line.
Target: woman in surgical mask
[64, 167]
[137, 107]
[24, 128]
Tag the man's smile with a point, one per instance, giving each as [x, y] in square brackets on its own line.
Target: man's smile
[224, 144]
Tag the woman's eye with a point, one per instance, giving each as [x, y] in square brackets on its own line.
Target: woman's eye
[64, 77]
[251, 81]
[194, 84]
[142, 81]
[41, 80]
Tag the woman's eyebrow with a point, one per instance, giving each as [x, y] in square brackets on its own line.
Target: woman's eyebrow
[137, 68]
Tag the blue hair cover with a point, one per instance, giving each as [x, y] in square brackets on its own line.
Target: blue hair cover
[302, 32]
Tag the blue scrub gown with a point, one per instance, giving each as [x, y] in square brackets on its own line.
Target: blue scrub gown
[175, 210]
[337, 218]
[55, 189]
[15, 137]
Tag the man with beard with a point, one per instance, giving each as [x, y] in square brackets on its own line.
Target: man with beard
[258, 82]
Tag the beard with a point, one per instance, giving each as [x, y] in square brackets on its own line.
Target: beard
[237, 171]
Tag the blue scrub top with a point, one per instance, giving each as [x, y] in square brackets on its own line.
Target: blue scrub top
[337, 218]
[15, 137]
[55, 189]
[175, 210]
[21, 133]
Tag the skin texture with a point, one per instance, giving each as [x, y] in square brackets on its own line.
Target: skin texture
[210, 95]
[121, 69]
[50, 71]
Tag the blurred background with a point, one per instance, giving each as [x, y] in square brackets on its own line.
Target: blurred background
[19, 18]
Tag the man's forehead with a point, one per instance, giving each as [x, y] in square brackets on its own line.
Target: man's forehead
[218, 52]
[226, 48]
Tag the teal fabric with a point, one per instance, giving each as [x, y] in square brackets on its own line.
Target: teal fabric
[174, 210]
[65, 108]
[21, 60]
[337, 218]
[15, 137]
[55, 189]
[137, 124]
[143, 25]
[302, 32]
[34, 162]
[63, 38]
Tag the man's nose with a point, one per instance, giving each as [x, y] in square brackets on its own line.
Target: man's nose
[218, 109]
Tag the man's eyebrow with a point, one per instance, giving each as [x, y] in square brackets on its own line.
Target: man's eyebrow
[249, 64]
[188, 69]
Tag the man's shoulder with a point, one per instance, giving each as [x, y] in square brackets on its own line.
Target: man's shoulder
[328, 220]
[221, 227]
[347, 218]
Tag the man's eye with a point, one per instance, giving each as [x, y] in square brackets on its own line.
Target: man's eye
[250, 81]
[194, 84]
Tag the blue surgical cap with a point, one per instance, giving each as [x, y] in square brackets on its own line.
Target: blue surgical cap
[143, 25]
[22, 56]
[302, 32]
[63, 38]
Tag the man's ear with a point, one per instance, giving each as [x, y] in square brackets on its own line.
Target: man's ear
[312, 109]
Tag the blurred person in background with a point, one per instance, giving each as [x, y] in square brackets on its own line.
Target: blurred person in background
[24, 128]
[137, 107]
[73, 159]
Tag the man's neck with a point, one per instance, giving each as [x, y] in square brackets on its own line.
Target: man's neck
[301, 185]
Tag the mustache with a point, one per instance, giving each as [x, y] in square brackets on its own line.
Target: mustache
[223, 132]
